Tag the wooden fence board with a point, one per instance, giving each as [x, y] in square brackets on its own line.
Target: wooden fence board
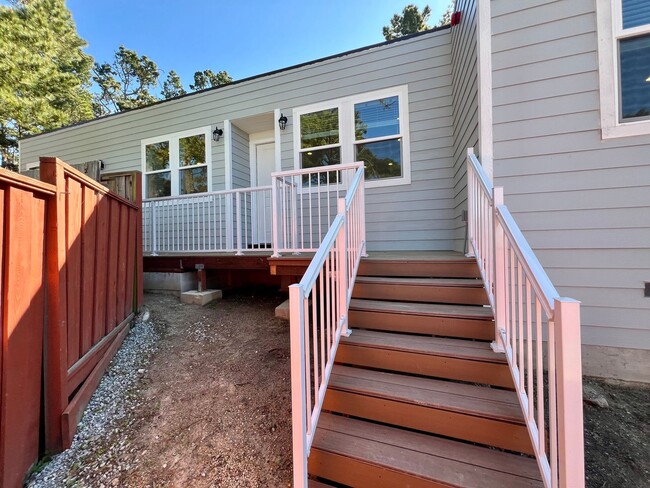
[130, 262]
[73, 244]
[111, 292]
[88, 244]
[122, 261]
[101, 268]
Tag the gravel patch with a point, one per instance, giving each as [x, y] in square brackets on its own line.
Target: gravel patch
[89, 462]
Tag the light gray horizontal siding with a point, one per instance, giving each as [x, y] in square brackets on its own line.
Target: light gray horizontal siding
[582, 202]
[423, 63]
[465, 107]
[241, 175]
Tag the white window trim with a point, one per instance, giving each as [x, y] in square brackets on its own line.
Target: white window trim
[609, 24]
[346, 130]
[174, 167]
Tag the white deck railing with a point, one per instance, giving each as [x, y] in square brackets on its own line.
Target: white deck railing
[221, 221]
[319, 316]
[305, 204]
[538, 331]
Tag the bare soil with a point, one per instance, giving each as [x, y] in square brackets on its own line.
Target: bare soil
[214, 401]
[217, 397]
[617, 438]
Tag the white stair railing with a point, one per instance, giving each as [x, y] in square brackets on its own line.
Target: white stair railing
[305, 204]
[319, 316]
[222, 221]
[537, 330]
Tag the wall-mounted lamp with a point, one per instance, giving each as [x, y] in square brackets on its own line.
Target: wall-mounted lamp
[216, 134]
[282, 122]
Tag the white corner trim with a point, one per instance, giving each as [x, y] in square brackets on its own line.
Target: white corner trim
[227, 154]
[484, 49]
[608, 15]
[278, 140]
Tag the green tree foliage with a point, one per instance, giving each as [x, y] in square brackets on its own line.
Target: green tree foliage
[124, 84]
[44, 74]
[208, 79]
[172, 86]
[412, 21]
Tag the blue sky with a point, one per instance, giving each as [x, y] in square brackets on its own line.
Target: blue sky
[242, 37]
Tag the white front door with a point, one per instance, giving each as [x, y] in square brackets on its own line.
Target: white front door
[264, 166]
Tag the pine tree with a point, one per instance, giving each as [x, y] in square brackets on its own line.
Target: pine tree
[44, 73]
[172, 86]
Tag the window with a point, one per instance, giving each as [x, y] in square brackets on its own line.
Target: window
[372, 128]
[624, 60]
[177, 164]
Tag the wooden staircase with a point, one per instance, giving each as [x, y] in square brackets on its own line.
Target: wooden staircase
[417, 397]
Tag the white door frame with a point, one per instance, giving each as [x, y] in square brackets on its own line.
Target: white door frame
[255, 140]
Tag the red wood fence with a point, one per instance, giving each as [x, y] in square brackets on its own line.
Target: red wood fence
[22, 308]
[73, 241]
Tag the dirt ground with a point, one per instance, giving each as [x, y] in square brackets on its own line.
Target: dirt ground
[617, 438]
[213, 408]
[217, 397]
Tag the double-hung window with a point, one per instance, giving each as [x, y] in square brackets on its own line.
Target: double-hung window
[624, 66]
[372, 127]
[177, 164]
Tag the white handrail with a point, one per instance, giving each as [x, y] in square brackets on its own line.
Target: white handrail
[528, 313]
[319, 316]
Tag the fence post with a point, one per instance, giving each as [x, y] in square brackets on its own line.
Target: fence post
[342, 268]
[569, 393]
[499, 281]
[298, 385]
[137, 198]
[238, 222]
[56, 345]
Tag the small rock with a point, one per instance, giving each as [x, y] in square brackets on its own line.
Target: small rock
[593, 395]
[140, 371]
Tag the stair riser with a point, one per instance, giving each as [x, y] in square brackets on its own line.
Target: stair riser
[412, 293]
[483, 372]
[491, 432]
[440, 269]
[348, 471]
[421, 324]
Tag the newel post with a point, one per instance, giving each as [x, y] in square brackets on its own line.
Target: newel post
[342, 268]
[298, 385]
[470, 203]
[238, 220]
[275, 220]
[569, 393]
[499, 291]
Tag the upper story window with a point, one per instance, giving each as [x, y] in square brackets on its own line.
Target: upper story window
[177, 164]
[624, 62]
[372, 128]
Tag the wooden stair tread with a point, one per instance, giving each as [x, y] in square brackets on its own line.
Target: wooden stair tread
[467, 399]
[415, 308]
[397, 281]
[459, 348]
[422, 456]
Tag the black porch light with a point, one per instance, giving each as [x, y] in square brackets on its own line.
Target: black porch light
[216, 134]
[282, 122]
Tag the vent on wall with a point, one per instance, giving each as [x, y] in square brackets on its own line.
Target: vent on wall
[646, 290]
